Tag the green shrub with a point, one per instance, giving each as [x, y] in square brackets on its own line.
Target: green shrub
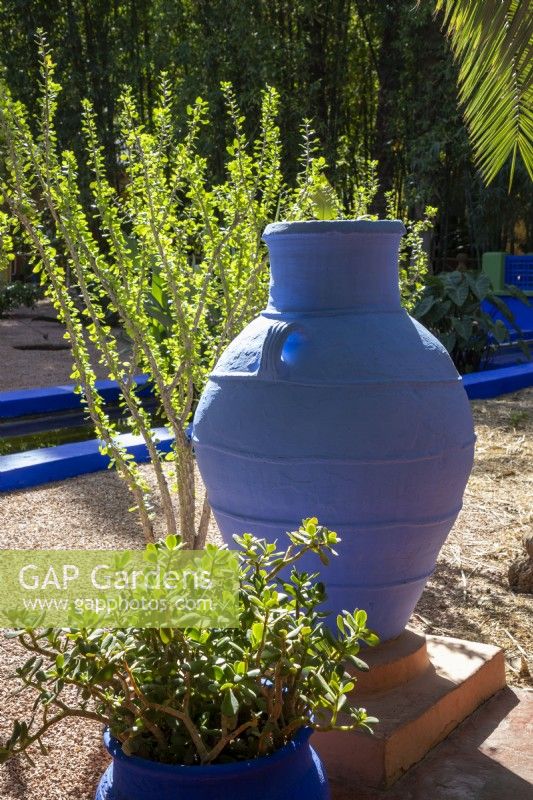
[174, 262]
[17, 294]
[450, 307]
[196, 696]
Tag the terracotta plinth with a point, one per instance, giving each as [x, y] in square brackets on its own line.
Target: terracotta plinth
[420, 688]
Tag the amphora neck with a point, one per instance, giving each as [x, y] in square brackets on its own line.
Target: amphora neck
[338, 266]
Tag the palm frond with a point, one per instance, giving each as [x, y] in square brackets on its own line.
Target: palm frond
[493, 42]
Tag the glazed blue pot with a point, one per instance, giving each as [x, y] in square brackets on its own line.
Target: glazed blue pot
[334, 403]
[293, 773]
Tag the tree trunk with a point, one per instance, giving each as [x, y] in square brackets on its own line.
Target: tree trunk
[389, 65]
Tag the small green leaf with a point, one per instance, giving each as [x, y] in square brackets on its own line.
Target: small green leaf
[501, 334]
[165, 635]
[257, 632]
[171, 541]
[361, 618]
[359, 663]
[324, 202]
[230, 704]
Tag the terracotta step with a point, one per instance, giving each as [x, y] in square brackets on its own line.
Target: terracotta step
[420, 688]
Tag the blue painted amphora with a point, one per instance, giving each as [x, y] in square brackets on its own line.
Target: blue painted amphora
[335, 403]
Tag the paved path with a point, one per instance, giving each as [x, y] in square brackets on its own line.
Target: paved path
[489, 757]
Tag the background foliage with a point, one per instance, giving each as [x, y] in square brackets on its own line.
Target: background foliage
[378, 80]
[493, 43]
[450, 307]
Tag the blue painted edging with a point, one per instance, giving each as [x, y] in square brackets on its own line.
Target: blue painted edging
[522, 313]
[58, 398]
[34, 467]
[493, 382]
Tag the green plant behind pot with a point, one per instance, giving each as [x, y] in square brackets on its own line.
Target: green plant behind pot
[194, 696]
[174, 263]
[451, 308]
[159, 275]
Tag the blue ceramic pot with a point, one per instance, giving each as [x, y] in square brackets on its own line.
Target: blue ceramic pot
[293, 773]
[334, 403]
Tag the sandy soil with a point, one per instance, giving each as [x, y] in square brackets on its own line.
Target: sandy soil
[467, 597]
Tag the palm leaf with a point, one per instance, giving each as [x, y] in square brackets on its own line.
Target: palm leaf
[493, 42]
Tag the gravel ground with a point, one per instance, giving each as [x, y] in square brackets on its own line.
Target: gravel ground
[34, 328]
[467, 597]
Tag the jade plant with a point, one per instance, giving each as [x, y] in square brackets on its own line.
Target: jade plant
[192, 696]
